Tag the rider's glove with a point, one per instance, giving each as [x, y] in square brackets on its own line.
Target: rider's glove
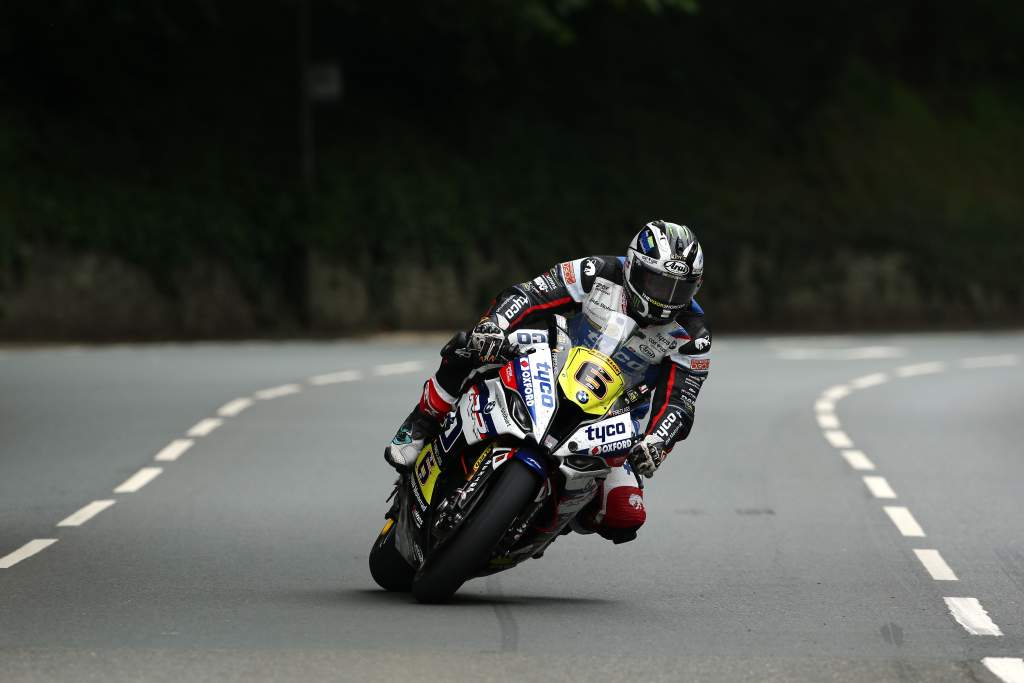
[487, 341]
[646, 456]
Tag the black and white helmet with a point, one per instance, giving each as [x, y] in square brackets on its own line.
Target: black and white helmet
[664, 268]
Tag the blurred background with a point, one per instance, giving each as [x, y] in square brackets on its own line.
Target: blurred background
[218, 169]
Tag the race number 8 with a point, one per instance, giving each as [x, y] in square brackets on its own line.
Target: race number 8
[595, 378]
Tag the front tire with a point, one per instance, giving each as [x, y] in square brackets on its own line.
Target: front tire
[458, 560]
[387, 566]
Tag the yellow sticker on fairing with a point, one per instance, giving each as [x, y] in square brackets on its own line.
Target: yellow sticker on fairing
[426, 471]
[591, 380]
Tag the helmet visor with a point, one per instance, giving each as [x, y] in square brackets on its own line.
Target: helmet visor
[663, 290]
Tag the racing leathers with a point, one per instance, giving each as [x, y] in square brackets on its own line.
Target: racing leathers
[672, 358]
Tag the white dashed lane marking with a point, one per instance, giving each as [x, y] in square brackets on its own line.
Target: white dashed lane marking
[138, 480]
[969, 613]
[858, 460]
[837, 392]
[828, 421]
[278, 392]
[872, 380]
[1002, 361]
[335, 378]
[936, 566]
[1007, 669]
[856, 353]
[920, 369]
[86, 513]
[904, 521]
[879, 487]
[234, 407]
[823, 405]
[204, 427]
[26, 551]
[173, 450]
[838, 439]
[398, 368]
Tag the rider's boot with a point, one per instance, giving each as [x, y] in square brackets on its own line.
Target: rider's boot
[410, 439]
[422, 425]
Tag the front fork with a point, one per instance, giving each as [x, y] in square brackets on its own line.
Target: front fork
[454, 510]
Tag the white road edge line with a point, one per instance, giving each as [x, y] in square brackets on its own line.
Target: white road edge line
[1007, 669]
[335, 377]
[904, 521]
[138, 480]
[86, 513]
[828, 421]
[858, 460]
[205, 426]
[277, 392]
[1003, 361]
[234, 407]
[920, 369]
[969, 613]
[174, 450]
[936, 566]
[872, 380]
[838, 438]
[398, 368]
[879, 487]
[26, 551]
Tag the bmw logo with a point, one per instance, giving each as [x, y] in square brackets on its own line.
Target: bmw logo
[582, 396]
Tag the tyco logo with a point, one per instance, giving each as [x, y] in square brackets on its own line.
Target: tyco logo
[547, 398]
[666, 427]
[604, 432]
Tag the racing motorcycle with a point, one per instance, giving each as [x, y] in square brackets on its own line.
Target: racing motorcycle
[521, 453]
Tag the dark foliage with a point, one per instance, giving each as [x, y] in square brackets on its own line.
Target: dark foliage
[796, 138]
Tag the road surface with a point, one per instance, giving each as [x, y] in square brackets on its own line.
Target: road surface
[847, 508]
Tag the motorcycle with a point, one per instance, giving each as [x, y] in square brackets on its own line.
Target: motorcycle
[522, 452]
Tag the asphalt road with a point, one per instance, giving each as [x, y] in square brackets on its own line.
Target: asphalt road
[766, 555]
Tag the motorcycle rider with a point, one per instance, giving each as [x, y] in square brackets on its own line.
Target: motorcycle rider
[654, 284]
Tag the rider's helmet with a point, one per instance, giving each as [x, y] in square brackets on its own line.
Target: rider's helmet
[664, 268]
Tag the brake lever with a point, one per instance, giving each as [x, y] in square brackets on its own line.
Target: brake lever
[516, 351]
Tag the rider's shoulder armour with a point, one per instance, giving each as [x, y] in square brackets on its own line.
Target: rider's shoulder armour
[580, 274]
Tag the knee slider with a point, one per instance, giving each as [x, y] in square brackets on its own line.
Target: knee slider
[618, 536]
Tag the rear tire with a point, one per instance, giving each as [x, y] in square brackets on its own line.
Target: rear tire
[458, 560]
[387, 566]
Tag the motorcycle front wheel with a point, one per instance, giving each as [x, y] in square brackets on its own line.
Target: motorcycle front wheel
[458, 560]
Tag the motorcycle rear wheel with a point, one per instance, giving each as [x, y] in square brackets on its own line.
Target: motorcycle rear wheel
[459, 559]
[387, 566]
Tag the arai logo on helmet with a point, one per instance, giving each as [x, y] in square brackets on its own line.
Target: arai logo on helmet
[677, 267]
